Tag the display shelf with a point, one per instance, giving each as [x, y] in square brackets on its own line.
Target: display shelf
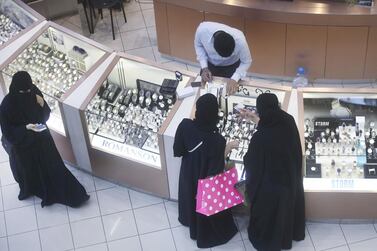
[48, 61]
[128, 111]
[338, 136]
[16, 18]
[46, 56]
[123, 119]
[231, 126]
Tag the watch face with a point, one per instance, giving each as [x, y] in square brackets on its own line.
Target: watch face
[148, 94]
[52, 76]
[134, 99]
[8, 29]
[105, 94]
[130, 116]
[120, 99]
[154, 97]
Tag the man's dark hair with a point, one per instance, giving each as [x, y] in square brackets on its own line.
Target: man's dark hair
[224, 43]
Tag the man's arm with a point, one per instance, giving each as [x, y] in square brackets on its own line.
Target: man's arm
[245, 59]
[201, 54]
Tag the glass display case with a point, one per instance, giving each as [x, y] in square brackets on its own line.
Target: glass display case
[57, 59]
[338, 133]
[118, 126]
[129, 109]
[16, 17]
[230, 124]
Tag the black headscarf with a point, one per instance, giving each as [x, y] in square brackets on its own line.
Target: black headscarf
[206, 115]
[22, 94]
[268, 109]
[21, 81]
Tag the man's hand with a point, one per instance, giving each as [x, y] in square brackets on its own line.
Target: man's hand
[231, 86]
[249, 115]
[206, 75]
[40, 100]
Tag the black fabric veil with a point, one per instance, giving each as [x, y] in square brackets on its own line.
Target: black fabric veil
[206, 115]
[34, 158]
[22, 95]
[273, 165]
[268, 110]
[202, 150]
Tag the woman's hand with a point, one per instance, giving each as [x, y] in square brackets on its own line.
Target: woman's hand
[231, 145]
[30, 127]
[36, 127]
[249, 115]
[229, 165]
[40, 100]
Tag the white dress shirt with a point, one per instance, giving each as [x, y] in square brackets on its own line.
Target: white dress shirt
[205, 50]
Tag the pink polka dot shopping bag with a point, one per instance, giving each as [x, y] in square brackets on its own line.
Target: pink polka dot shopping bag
[217, 193]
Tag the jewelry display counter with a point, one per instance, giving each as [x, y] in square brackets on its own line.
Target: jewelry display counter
[16, 18]
[57, 60]
[330, 39]
[230, 126]
[338, 135]
[116, 115]
[122, 120]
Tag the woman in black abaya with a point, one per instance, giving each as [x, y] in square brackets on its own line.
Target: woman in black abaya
[39, 167]
[202, 150]
[274, 180]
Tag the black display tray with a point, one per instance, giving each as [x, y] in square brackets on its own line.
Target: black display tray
[313, 170]
[147, 86]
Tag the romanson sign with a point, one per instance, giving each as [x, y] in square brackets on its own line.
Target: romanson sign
[126, 151]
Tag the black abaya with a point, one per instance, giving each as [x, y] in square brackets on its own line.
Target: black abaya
[39, 167]
[274, 183]
[200, 160]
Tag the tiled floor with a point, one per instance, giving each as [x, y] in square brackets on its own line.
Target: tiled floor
[120, 219]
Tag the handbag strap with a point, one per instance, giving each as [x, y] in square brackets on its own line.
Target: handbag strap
[243, 172]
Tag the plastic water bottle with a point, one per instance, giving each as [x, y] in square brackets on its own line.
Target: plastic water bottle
[300, 80]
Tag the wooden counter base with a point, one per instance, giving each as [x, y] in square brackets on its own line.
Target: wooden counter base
[331, 40]
[340, 205]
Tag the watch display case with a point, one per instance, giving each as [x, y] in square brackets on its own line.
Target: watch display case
[16, 17]
[231, 126]
[124, 118]
[130, 108]
[339, 137]
[56, 60]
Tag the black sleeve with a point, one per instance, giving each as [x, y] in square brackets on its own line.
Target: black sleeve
[46, 110]
[179, 142]
[296, 145]
[216, 161]
[254, 164]
[15, 134]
